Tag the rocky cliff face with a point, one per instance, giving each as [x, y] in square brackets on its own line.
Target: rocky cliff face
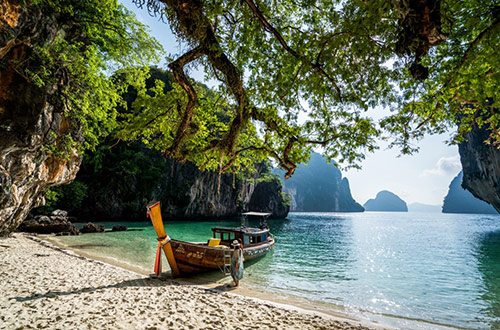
[459, 200]
[205, 199]
[481, 167]
[268, 197]
[319, 187]
[129, 176]
[31, 118]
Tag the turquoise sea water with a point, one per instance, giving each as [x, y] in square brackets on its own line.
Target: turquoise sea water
[410, 270]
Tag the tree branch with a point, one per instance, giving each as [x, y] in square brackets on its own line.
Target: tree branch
[151, 121]
[177, 68]
[197, 28]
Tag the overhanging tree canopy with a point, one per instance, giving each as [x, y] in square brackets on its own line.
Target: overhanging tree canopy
[433, 62]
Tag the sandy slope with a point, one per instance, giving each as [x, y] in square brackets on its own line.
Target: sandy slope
[42, 286]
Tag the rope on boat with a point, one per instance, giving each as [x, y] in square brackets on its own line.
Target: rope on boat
[161, 242]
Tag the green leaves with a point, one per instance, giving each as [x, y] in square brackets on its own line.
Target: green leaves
[98, 38]
[463, 86]
[154, 117]
[333, 60]
[296, 76]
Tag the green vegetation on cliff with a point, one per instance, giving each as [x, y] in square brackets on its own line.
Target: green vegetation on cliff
[57, 92]
[104, 38]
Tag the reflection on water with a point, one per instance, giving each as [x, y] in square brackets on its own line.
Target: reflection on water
[309, 259]
[437, 269]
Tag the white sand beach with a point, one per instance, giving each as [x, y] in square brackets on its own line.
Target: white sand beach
[45, 287]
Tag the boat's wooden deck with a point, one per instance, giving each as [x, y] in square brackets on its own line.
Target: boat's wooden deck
[197, 257]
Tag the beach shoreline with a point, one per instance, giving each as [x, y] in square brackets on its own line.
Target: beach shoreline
[47, 279]
[223, 284]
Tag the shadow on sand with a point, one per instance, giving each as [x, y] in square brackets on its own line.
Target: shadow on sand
[141, 282]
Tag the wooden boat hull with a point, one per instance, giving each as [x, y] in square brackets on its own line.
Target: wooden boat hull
[192, 258]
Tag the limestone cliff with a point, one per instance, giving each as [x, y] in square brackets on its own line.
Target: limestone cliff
[481, 167]
[31, 117]
[127, 177]
[319, 187]
[459, 200]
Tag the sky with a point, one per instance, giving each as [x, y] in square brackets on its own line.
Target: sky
[420, 178]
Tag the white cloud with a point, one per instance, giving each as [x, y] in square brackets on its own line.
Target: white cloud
[445, 166]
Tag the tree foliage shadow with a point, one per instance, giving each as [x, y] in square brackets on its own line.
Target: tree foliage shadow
[140, 282]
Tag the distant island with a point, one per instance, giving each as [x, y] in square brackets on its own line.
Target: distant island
[319, 187]
[459, 200]
[386, 201]
[420, 207]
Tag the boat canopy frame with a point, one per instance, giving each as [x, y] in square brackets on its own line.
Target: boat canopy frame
[263, 215]
[257, 214]
[249, 236]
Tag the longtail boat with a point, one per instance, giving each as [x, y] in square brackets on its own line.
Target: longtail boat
[189, 258]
